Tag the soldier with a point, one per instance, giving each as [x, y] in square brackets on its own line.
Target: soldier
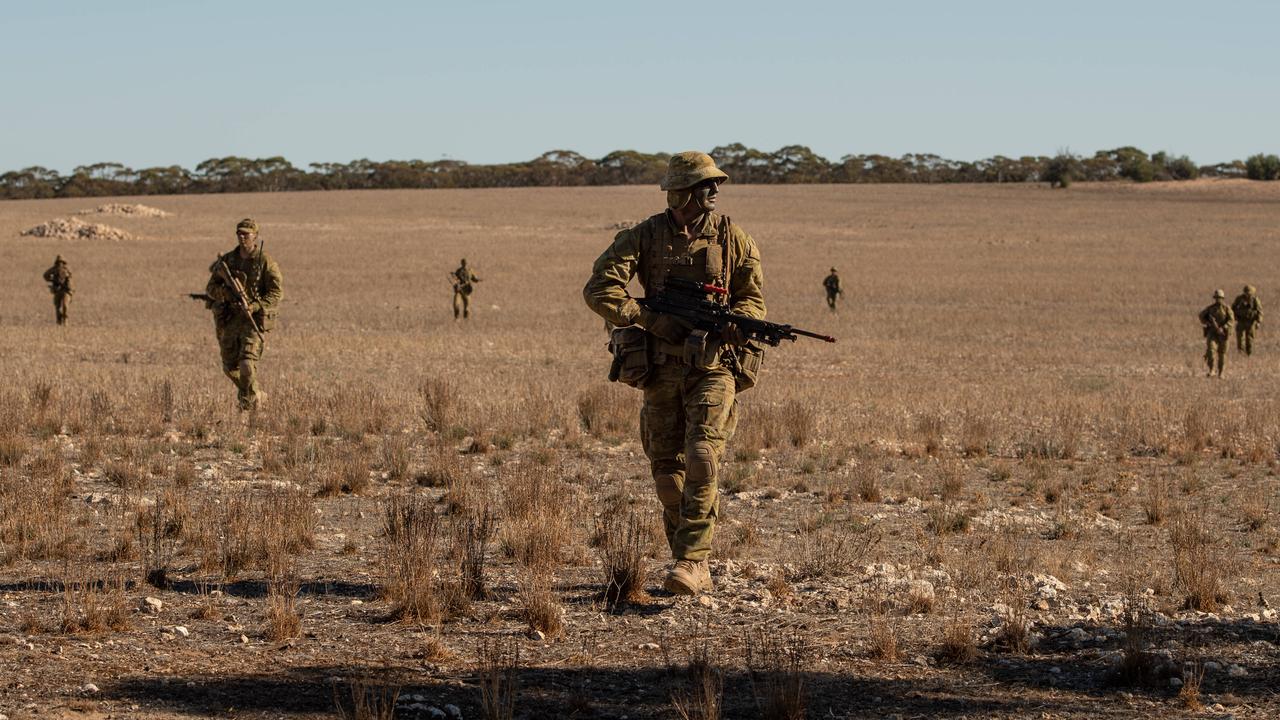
[1217, 320]
[59, 279]
[688, 413]
[239, 331]
[1248, 312]
[832, 286]
[463, 280]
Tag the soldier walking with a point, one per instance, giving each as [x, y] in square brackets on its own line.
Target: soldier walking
[59, 279]
[1248, 312]
[689, 412]
[463, 284]
[1216, 320]
[832, 285]
[245, 286]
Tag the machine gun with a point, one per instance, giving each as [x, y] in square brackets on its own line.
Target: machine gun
[687, 300]
[237, 289]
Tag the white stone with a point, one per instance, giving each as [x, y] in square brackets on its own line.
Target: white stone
[1237, 671]
[89, 688]
[152, 605]
[182, 631]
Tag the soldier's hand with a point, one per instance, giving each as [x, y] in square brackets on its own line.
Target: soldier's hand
[733, 335]
[663, 326]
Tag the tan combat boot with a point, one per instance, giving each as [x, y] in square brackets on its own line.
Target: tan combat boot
[688, 577]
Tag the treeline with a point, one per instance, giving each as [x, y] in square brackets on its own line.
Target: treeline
[791, 164]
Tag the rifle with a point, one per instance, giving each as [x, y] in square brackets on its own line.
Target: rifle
[687, 300]
[242, 298]
[201, 296]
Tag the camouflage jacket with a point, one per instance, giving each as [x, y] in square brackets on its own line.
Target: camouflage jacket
[59, 279]
[717, 251]
[263, 284]
[1247, 309]
[1217, 319]
[463, 279]
[832, 283]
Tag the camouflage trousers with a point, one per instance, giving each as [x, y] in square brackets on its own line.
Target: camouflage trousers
[1244, 337]
[60, 302]
[687, 418]
[241, 348]
[1215, 346]
[831, 299]
[461, 304]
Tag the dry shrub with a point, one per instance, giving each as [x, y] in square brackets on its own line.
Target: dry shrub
[253, 532]
[443, 468]
[831, 548]
[1189, 693]
[945, 518]
[1137, 665]
[1200, 564]
[958, 646]
[498, 665]
[1196, 429]
[1014, 636]
[366, 700]
[920, 600]
[930, 428]
[800, 421]
[606, 410]
[345, 471]
[624, 540]
[537, 525]
[438, 404]
[702, 698]
[866, 482]
[882, 639]
[471, 534]
[13, 448]
[283, 621]
[411, 544]
[1255, 510]
[776, 663]
[538, 604]
[1156, 504]
[355, 412]
[125, 475]
[90, 605]
[35, 519]
[950, 482]
[976, 435]
[396, 455]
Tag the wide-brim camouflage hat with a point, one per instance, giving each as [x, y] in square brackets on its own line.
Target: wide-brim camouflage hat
[247, 224]
[1249, 290]
[686, 169]
[1219, 294]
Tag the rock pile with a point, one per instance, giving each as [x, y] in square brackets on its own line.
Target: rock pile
[73, 229]
[126, 209]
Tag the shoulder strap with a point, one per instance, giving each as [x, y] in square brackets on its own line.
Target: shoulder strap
[722, 236]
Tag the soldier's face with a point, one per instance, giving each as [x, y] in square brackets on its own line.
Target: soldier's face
[247, 240]
[704, 194]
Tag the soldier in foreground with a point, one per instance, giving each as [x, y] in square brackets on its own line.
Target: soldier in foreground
[689, 378]
[832, 285]
[463, 284]
[1216, 320]
[1248, 312]
[245, 286]
[59, 279]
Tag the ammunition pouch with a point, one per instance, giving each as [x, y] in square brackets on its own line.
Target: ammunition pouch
[631, 357]
[701, 351]
[266, 320]
[747, 362]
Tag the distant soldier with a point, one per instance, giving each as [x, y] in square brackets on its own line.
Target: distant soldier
[463, 283]
[1217, 320]
[59, 279]
[832, 286]
[1248, 312]
[245, 286]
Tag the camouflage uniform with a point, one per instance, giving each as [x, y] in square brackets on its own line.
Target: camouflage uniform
[832, 285]
[241, 346]
[59, 279]
[463, 280]
[1248, 311]
[688, 414]
[1217, 320]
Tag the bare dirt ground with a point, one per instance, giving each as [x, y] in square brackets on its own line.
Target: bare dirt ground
[1008, 491]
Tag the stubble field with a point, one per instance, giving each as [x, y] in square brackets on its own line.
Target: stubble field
[1008, 491]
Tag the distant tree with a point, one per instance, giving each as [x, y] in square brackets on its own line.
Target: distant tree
[744, 164]
[30, 183]
[797, 164]
[1061, 170]
[1262, 167]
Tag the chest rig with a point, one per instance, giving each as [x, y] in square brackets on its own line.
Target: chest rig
[248, 272]
[703, 257]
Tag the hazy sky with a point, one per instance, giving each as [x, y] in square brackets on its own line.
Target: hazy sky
[156, 83]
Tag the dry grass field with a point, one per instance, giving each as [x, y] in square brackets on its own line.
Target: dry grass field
[1008, 491]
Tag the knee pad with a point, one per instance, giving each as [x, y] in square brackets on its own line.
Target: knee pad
[701, 462]
[669, 489]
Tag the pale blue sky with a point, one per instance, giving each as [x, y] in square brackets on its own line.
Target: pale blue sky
[152, 83]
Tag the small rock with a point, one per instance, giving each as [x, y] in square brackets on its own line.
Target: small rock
[244, 640]
[454, 712]
[1055, 670]
[357, 602]
[152, 605]
[1077, 634]
[88, 688]
[1237, 671]
[706, 602]
[1175, 682]
[649, 646]
[181, 631]
[535, 635]
[435, 712]
[1041, 604]
[1212, 666]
